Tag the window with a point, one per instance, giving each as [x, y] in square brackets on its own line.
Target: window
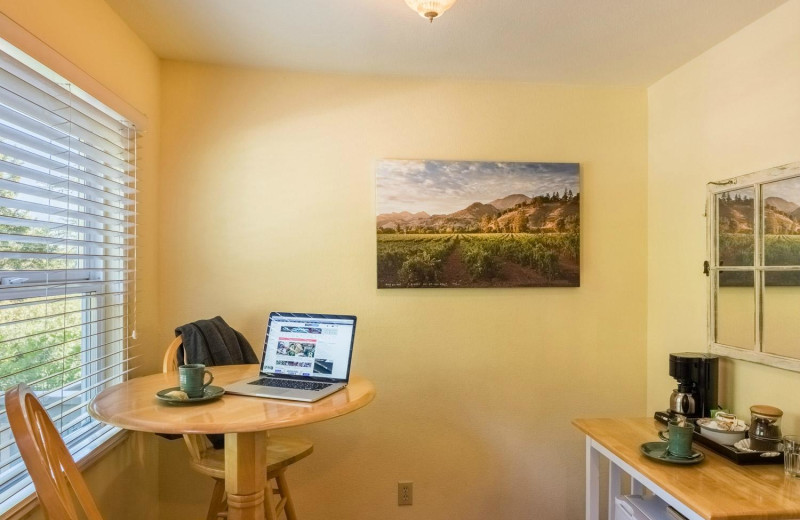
[754, 267]
[67, 253]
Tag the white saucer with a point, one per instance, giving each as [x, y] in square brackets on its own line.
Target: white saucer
[744, 445]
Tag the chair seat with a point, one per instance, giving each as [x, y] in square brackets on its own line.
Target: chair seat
[281, 452]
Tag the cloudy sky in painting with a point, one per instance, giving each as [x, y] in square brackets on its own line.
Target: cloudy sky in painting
[438, 187]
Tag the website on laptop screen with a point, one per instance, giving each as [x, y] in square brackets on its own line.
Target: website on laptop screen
[308, 346]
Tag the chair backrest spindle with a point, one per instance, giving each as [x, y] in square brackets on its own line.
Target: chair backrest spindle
[171, 356]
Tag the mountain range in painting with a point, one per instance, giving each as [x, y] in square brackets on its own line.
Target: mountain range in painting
[513, 213]
[781, 217]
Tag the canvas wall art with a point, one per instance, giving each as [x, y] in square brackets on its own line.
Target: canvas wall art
[454, 224]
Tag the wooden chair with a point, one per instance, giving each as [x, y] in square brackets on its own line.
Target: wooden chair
[58, 482]
[282, 452]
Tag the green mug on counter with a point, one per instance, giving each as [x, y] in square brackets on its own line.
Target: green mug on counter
[679, 438]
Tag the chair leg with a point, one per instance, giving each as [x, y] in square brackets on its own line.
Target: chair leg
[217, 504]
[269, 502]
[283, 489]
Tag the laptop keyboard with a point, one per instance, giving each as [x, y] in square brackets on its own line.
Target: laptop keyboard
[289, 383]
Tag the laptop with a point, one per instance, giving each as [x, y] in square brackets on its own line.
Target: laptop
[306, 357]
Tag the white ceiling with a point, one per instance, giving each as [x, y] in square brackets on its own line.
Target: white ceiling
[588, 42]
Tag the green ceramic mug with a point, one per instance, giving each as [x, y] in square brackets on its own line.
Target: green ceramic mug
[679, 438]
[192, 377]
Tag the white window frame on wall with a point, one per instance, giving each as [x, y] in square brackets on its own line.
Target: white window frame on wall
[755, 181]
[95, 303]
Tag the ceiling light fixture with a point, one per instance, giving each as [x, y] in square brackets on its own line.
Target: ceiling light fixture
[430, 9]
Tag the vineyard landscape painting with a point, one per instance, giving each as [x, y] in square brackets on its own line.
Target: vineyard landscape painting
[477, 224]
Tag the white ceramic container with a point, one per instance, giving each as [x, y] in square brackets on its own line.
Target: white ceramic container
[709, 429]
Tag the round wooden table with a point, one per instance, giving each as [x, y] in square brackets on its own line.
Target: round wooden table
[244, 421]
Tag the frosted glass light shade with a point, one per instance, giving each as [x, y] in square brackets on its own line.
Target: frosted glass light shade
[430, 8]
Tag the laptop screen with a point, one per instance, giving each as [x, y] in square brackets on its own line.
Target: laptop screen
[309, 345]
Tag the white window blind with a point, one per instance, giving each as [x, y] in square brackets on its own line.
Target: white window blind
[67, 253]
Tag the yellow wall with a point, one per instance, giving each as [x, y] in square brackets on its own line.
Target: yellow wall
[90, 35]
[269, 186]
[731, 111]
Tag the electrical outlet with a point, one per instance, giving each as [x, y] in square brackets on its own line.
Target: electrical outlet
[405, 493]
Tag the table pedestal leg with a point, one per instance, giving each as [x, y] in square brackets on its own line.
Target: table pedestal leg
[245, 475]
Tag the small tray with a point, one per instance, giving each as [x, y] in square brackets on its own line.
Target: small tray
[729, 452]
[740, 457]
[210, 393]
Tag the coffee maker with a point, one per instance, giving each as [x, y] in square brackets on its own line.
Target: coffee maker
[696, 373]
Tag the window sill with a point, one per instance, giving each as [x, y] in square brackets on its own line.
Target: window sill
[27, 504]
